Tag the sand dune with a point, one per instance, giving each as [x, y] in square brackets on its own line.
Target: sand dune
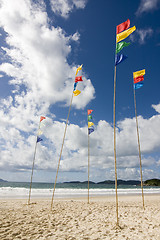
[77, 220]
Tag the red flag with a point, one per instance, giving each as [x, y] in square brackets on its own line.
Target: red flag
[123, 26]
[90, 111]
[42, 118]
[138, 79]
[78, 79]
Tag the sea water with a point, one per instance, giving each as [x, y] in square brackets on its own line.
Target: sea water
[69, 190]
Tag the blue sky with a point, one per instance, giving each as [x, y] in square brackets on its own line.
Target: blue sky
[42, 44]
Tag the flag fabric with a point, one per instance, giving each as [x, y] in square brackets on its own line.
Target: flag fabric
[39, 139]
[121, 45]
[39, 132]
[123, 26]
[139, 73]
[75, 85]
[89, 117]
[76, 92]
[42, 118]
[138, 85]
[125, 34]
[78, 79]
[90, 124]
[119, 58]
[90, 111]
[78, 69]
[138, 79]
[90, 130]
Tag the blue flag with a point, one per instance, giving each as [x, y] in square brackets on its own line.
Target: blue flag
[75, 85]
[138, 85]
[90, 130]
[119, 58]
[39, 139]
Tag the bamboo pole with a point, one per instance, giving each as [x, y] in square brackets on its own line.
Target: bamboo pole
[88, 164]
[33, 168]
[115, 161]
[139, 147]
[61, 151]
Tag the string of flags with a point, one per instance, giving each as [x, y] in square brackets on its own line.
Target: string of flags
[90, 124]
[123, 31]
[138, 78]
[77, 79]
[39, 130]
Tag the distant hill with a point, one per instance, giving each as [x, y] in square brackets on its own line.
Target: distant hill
[121, 182]
[152, 182]
[1, 180]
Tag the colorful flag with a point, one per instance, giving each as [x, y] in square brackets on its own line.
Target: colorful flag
[78, 79]
[89, 117]
[138, 79]
[76, 92]
[90, 111]
[39, 139]
[125, 34]
[90, 130]
[90, 124]
[138, 85]
[42, 118]
[75, 85]
[121, 45]
[123, 26]
[139, 73]
[120, 58]
[39, 132]
[78, 69]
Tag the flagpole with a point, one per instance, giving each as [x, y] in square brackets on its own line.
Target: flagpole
[115, 161]
[61, 151]
[88, 165]
[33, 168]
[139, 147]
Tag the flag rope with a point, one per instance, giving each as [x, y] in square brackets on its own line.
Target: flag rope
[138, 144]
[33, 167]
[61, 152]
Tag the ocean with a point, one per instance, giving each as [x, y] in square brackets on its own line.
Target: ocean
[69, 190]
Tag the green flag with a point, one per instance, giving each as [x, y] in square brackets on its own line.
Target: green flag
[89, 117]
[121, 45]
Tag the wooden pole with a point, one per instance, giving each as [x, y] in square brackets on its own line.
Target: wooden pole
[33, 168]
[88, 165]
[61, 151]
[115, 161]
[139, 147]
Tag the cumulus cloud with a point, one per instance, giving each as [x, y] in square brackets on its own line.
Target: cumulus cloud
[17, 151]
[141, 35]
[148, 6]
[64, 7]
[36, 62]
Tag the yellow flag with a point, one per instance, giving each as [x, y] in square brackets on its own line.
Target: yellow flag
[90, 124]
[139, 73]
[76, 92]
[39, 132]
[125, 34]
[79, 68]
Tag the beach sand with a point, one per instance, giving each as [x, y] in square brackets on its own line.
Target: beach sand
[75, 219]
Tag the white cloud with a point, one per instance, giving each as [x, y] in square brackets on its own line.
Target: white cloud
[17, 151]
[38, 63]
[148, 6]
[64, 7]
[141, 35]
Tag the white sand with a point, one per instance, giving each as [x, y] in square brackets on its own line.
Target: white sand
[76, 219]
